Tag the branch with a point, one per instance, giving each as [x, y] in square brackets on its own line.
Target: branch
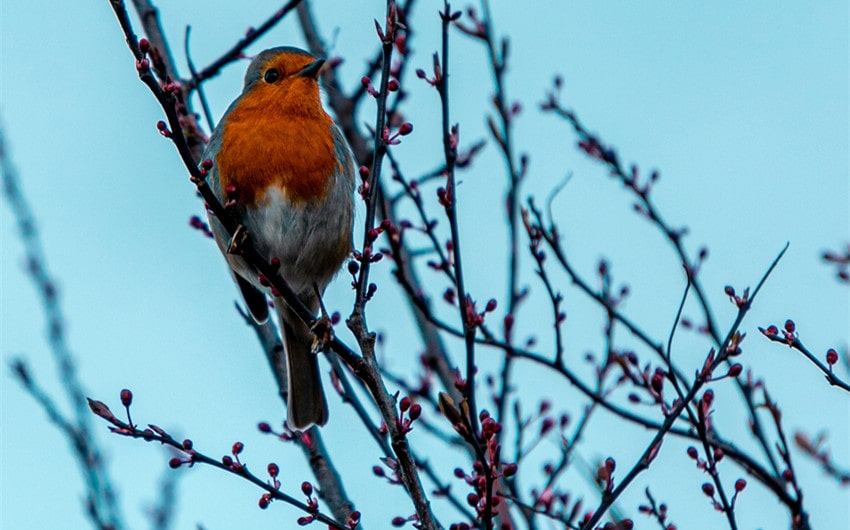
[101, 505]
[597, 150]
[236, 51]
[230, 463]
[729, 347]
[790, 338]
[167, 95]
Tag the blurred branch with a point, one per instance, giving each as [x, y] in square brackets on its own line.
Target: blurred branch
[163, 513]
[101, 504]
[840, 259]
[814, 448]
[343, 107]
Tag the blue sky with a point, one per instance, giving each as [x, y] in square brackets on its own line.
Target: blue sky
[743, 109]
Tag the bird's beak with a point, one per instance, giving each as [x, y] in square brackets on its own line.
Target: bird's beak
[312, 70]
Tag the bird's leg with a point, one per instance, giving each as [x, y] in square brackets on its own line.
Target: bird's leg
[240, 235]
[322, 328]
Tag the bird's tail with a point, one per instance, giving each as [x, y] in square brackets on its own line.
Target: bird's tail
[305, 402]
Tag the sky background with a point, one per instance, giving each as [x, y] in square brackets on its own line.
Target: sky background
[742, 108]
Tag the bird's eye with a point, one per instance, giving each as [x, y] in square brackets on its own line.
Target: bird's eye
[271, 75]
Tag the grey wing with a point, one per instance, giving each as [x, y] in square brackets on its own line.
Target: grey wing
[254, 298]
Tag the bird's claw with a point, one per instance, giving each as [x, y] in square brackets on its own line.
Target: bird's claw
[237, 242]
[323, 333]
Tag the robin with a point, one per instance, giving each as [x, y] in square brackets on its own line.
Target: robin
[279, 156]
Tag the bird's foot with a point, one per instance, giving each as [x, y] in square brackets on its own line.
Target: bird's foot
[237, 242]
[323, 333]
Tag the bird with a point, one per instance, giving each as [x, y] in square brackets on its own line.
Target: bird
[288, 173]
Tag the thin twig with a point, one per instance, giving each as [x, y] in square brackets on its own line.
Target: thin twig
[236, 51]
[101, 504]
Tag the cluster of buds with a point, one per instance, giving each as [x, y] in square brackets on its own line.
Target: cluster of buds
[143, 65]
[841, 259]
[708, 465]
[709, 491]
[594, 149]
[552, 501]
[657, 511]
[371, 236]
[478, 27]
[631, 181]
[151, 433]
[399, 521]
[231, 195]
[484, 473]
[605, 474]
[312, 505]
[204, 169]
[199, 224]
[127, 428]
[189, 459]
[446, 263]
[285, 435]
[266, 498]
[151, 61]
[815, 448]
[437, 78]
[388, 33]
[653, 382]
[739, 301]
[370, 89]
[711, 360]
[172, 88]
[232, 461]
[409, 412]
[472, 317]
[391, 464]
[363, 189]
[788, 333]
[692, 269]
[704, 410]
[553, 98]
[395, 138]
[603, 271]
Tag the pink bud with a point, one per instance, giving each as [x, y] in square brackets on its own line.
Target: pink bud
[831, 356]
[306, 488]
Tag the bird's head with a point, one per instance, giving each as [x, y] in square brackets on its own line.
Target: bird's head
[287, 77]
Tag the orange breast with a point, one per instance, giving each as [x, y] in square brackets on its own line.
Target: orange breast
[265, 144]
